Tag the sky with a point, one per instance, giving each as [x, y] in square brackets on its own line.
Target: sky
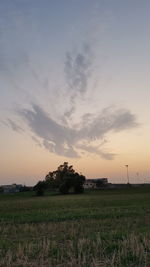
[74, 86]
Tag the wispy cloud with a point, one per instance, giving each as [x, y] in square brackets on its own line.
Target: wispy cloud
[78, 67]
[108, 120]
[62, 135]
[55, 137]
[69, 142]
[13, 125]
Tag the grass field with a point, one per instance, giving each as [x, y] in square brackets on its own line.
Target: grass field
[99, 228]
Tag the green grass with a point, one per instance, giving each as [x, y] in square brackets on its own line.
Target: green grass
[97, 228]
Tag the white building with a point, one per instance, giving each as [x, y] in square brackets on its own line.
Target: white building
[95, 183]
[12, 188]
[89, 184]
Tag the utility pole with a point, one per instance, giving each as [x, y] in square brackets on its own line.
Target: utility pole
[127, 174]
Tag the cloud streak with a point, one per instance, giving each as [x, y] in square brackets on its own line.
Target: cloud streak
[13, 125]
[70, 142]
[78, 68]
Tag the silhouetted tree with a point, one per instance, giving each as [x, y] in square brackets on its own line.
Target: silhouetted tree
[78, 182]
[39, 188]
[64, 188]
[65, 178]
[1, 190]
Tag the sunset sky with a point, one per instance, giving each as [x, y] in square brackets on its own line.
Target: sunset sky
[75, 87]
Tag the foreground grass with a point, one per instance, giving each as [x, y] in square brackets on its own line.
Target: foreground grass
[101, 228]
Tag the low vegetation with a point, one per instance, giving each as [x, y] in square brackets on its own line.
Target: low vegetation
[97, 228]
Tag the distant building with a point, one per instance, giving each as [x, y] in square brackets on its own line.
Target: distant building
[13, 188]
[89, 184]
[95, 183]
[124, 186]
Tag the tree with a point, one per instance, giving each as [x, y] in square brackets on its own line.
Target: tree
[64, 188]
[51, 182]
[1, 190]
[40, 188]
[65, 178]
[79, 180]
